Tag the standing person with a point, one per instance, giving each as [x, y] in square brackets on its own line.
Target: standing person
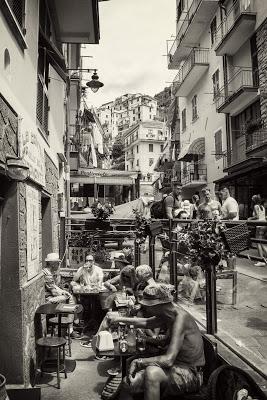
[89, 274]
[173, 202]
[209, 208]
[195, 205]
[230, 209]
[188, 208]
[259, 213]
[178, 370]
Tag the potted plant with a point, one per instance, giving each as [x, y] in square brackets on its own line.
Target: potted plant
[101, 212]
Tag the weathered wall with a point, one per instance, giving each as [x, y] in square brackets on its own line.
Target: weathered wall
[262, 63]
[51, 185]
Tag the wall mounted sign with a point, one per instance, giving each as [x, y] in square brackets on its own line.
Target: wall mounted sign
[32, 208]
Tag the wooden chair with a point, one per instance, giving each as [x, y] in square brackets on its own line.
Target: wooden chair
[65, 324]
[50, 343]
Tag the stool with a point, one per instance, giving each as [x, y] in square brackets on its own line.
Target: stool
[56, 343]
[65, 323]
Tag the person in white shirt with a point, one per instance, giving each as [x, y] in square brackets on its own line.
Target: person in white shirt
[89, 274]
[230, 209]
[259, 213]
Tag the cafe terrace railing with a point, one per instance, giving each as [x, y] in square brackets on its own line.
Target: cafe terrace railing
[126, 227]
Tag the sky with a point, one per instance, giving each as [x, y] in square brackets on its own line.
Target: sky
[130, 55]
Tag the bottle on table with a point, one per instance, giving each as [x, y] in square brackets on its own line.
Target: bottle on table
[131, 338]
[123, 345]
[124, 293]
[140, 341]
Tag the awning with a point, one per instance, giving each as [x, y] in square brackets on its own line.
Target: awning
[103, 180]
[197, 147]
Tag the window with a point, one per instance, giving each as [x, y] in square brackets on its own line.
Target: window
[127, 168]
[42, 107]
[218, 144]
[151, 161]
[161, 148]
[184, 119]
[215, 83]
[150, 131]
[254, 60]
[180, 8]
[213, 28]
[194, 108]
[18, 9]
[133, 118]
[137, 163]
[150, 147]
[137, 149]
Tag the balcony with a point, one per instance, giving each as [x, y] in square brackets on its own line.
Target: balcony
[256, 141]
[240, 91]
[191, 72]
[78, 22]
[194, 175]
[235, 160]
[195, 23]
[236, 28]
[129, 157]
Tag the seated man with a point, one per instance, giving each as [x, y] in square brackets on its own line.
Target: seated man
[53, 293]
[89, 274]
[178, 370]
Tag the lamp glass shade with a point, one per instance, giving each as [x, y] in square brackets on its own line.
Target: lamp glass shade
[94, 85]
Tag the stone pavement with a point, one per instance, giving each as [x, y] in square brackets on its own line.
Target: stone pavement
[84, 383]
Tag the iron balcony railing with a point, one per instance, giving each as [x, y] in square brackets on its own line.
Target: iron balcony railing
[233, 157]
[256, 139]
[244, 77]
[185, 24]
[239, 7]
[197, 56]
[194, 172]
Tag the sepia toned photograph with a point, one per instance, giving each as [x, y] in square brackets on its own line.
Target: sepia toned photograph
[133, 199]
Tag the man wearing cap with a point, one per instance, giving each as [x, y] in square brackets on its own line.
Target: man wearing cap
[177, 371]
[89, 274]
[53, 293]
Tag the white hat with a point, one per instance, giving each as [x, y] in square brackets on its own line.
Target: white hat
[52, 257]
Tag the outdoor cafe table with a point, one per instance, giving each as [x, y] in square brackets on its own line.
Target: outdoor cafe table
[59, 309]
[148, 352]
[88, 298]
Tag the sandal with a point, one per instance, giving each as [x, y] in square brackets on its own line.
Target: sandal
[112, 387]
[104, 358]
[86, 344]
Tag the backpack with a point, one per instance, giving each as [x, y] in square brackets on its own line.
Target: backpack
[157, 209]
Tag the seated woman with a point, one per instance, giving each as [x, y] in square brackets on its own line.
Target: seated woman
[192, 283]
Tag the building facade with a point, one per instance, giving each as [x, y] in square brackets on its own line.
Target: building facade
[144, 143]
[117, 116]
[221, 88]
[33, 125]
[240, 39]
[199, 75]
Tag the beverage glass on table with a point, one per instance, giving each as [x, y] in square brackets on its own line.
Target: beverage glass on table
[140, 342]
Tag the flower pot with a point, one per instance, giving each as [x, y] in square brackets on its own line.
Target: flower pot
[3, 393]
[93, 224]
